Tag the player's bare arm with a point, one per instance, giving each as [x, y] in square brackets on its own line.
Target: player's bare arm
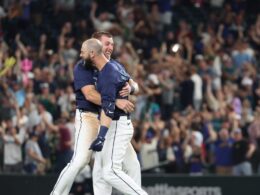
[131, 88]
[104, 119]
[93, 96]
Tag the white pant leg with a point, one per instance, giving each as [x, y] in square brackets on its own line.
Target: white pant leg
[131, 164]
[86, 125]
[118, 137]
[100, 186]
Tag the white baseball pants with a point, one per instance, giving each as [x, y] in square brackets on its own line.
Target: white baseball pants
[117, 155]
[86, 124]
[131, 167]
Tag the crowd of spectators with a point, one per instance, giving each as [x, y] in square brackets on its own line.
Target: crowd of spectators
[196, 63]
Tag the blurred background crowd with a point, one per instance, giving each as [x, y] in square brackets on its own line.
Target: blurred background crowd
[196, 62]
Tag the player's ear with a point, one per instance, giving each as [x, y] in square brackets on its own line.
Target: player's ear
[92, 54]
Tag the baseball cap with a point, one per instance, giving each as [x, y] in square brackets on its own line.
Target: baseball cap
[199, 57]
[238, 130]
[44, 85]
[247, 81]
[30, 75]
[154, 79]
[149, 134]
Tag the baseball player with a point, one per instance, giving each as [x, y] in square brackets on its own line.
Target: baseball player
[115, 125]
[86, 122]
[130, 163]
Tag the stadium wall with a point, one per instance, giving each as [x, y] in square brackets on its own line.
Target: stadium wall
[154, 184]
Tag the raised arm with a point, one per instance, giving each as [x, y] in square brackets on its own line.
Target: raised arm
[92, 95]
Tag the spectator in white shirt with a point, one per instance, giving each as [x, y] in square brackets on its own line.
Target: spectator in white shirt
[197, 93]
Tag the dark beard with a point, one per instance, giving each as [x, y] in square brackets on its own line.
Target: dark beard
[88, 64]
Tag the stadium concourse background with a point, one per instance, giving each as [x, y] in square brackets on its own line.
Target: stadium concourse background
[197, 116]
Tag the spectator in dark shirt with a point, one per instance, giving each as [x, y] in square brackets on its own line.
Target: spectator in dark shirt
[242, 151]
[187, 88]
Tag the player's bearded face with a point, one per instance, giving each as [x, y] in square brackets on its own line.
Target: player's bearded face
[86, 57]
[89, 63]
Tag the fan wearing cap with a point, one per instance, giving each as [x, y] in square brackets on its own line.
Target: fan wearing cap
[196, 158]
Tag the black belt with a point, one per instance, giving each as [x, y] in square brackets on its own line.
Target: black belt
[118, 117]
[87, 110]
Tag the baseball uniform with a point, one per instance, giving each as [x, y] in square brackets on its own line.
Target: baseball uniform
[111, 80]
[86, 126]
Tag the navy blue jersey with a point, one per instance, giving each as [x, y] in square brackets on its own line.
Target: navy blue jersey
[118, 64]
[84, 76]
[111, 80]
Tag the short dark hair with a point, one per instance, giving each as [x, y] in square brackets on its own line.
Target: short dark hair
[99, 34]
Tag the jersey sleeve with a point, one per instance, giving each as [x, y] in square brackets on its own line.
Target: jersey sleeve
[83, 77]
[108, 93]
[123, 67]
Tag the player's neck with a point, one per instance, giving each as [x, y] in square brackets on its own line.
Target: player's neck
[101, 62]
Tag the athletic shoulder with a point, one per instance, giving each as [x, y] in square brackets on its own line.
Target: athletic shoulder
[109, 69]
[115, 62]
[79, 65]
